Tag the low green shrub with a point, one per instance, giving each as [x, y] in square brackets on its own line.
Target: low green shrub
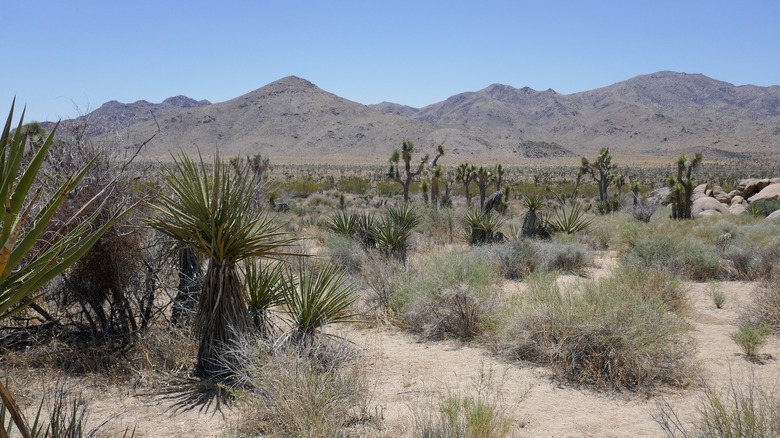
[750, 337]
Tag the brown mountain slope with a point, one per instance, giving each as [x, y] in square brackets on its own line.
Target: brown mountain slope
[113, 115]
[662, 114]
[293, 120]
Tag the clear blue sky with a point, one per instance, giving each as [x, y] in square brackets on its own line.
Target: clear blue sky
[60, 55]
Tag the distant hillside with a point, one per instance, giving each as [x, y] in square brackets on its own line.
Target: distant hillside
[114, 116]
[662, 114]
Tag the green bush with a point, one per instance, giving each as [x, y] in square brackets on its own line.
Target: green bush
[750, 337]
[353, 184]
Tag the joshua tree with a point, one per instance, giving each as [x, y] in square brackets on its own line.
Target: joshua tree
[498, 175]
[600, 170]
[425, 186]
[682, 186]
[483, 177]
[210, 209]
[406, 155]
[439, 153]
[465, 173]
[436, 174]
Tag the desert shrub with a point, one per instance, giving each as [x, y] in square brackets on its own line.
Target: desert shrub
[294, 394]
[742, 409]
[717, 295]
[601, 333]
[514, 259]
[345, 252]
[353, 184]
[750, 337]
[565, 257]
[745, 262]
[690, 258]
[382, 278]
[478, 413]
[481, 227]
[765, 306]
[452, 294]
[653, 284]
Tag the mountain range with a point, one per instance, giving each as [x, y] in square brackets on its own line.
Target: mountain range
[662, 114]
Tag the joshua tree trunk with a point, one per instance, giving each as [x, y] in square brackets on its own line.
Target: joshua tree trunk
[221, 323]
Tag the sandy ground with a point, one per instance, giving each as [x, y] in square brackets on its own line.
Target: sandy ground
[409, 376]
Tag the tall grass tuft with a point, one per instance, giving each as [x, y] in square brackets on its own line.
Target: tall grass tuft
[743, 409]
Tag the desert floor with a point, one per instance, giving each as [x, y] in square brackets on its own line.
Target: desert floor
[408, 377]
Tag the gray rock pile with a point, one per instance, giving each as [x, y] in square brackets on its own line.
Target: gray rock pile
[715, 200]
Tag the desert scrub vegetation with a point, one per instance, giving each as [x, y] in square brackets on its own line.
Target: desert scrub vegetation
[315, 391]
[517, 259]
[479, 412]
[744, 408]
[451, 294]
[704, 249]
[609, 333]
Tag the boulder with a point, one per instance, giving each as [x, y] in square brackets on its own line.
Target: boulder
[721, 195]
[736, 200]
[747, 187]
[774, 215]
[771, 192]
[699, 191]
[737, 209]
[662, 195]
[707, 204]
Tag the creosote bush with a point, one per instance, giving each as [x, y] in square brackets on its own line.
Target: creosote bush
[603, 333]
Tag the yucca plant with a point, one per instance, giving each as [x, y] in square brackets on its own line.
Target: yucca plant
[391, 233]
[481, 227]
[342, 223]
[210, 209]
[34, 251]
[315, 299]
[531, 203]
[568, 219]
[264, 290]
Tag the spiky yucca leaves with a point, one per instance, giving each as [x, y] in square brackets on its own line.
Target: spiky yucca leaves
[264, 290]
[342, 223]
[31, 253]
[210, 209]
[316, 299]
[391, 233]
[568, 219]
[481, 227]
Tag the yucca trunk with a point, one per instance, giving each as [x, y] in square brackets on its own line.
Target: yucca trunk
[221, 322]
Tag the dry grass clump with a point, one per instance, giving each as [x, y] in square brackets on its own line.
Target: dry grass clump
[479, 413]
[765, 306]
[606, 333]
[316, 391]
[743, 409]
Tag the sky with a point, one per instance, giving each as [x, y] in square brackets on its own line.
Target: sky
[64, 58]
